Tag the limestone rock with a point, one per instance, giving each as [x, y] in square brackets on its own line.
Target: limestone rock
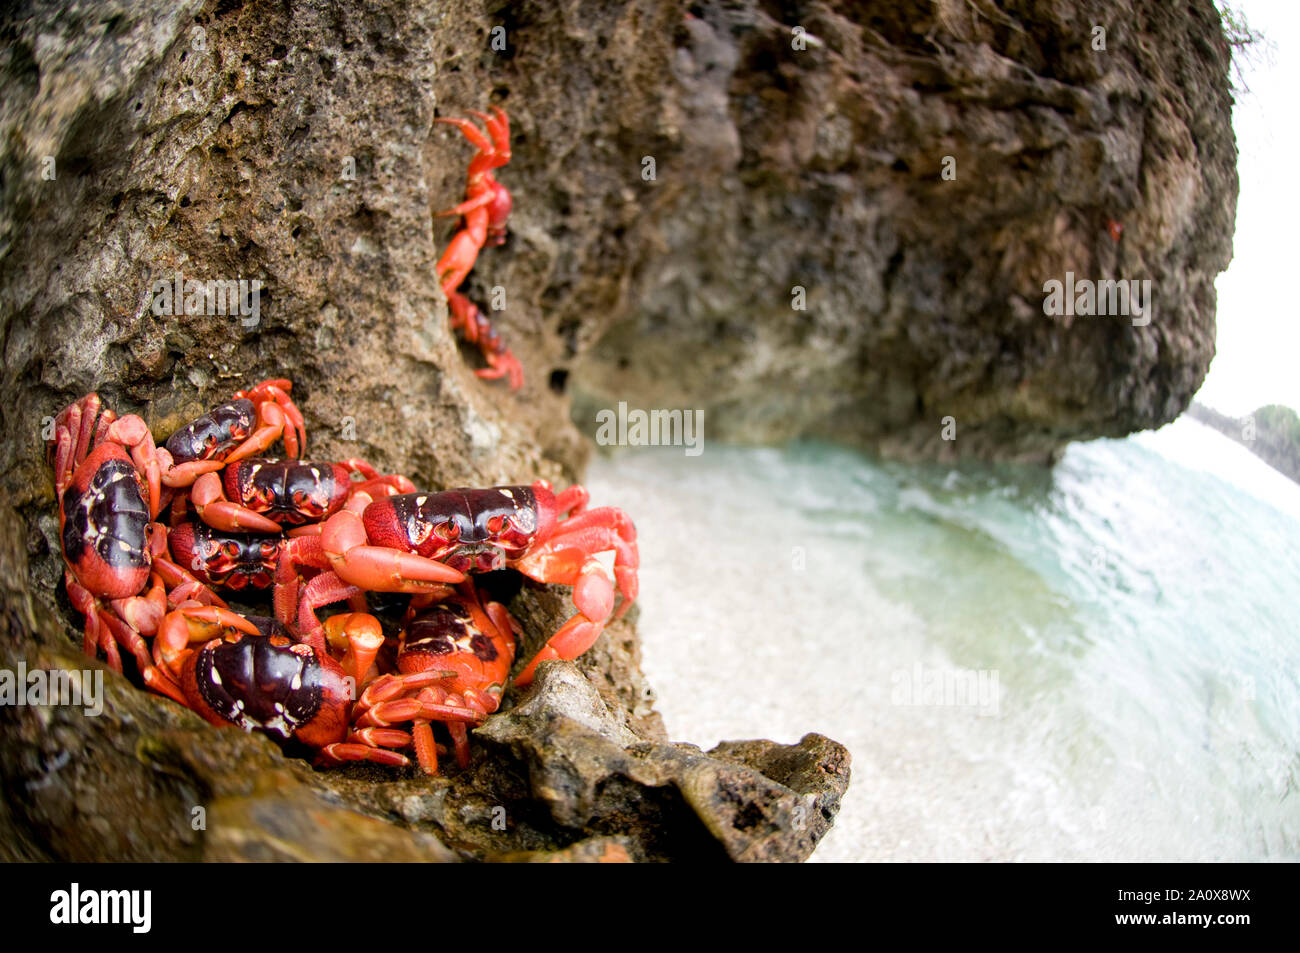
[852, 239]
[752, 800]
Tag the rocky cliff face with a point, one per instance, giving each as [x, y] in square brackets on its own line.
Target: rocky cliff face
[851, 239]
[681, 174]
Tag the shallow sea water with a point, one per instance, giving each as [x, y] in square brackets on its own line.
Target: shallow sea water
[1093, 662]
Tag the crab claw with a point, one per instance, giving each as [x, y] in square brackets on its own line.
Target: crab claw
[189, 624]
[378, 568]
[276, 411]
[209, 498]
[359, 637]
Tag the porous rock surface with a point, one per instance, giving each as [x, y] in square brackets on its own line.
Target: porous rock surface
[295, 144]
[800, 265]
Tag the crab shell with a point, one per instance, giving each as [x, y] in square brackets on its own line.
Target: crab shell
[231, 560]
[269, 683]
[290, 492]
[104, 524]
[468, 529]
[457, 636]
[214, 434]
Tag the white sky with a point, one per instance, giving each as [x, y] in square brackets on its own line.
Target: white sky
[1258, 331]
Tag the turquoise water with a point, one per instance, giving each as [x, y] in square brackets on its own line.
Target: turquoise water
[1133, 611]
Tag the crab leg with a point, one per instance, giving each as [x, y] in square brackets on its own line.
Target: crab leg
[572, 500]
[564, 555]
[287, 593]
[470, 131]
[183, 587]
[104, 630]
[491, 154]
[181, 475]
[76, 422]
[426, 749]
[271, 426]
[162, 682]
[97, 635]
[84, 419]
[342, 752]
[593, 594]
[386, 483]
[275, 408]
[386, 714]
[461, 738]
[468, 205]
[324, 590]
[570, 641]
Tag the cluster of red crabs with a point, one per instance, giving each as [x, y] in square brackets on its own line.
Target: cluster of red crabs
[151, 534]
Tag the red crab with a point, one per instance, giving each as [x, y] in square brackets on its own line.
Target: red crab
[249, 673]
[117, 565]
[262, 496]
[250, 423]
[249, 561]
[421, 542]
[229, 560]
[485, 209]
[487, 202]
[477, 329]
[454, 653]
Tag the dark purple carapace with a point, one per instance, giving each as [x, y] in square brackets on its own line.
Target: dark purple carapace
[213, 434]
[471, 530]
[290, 492]
[104, 513]
[444, 629]
[264, 683]
[269, 626]
[231, 560]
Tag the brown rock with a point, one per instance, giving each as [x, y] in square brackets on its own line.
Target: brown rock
[820, 172]
[756, 800]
